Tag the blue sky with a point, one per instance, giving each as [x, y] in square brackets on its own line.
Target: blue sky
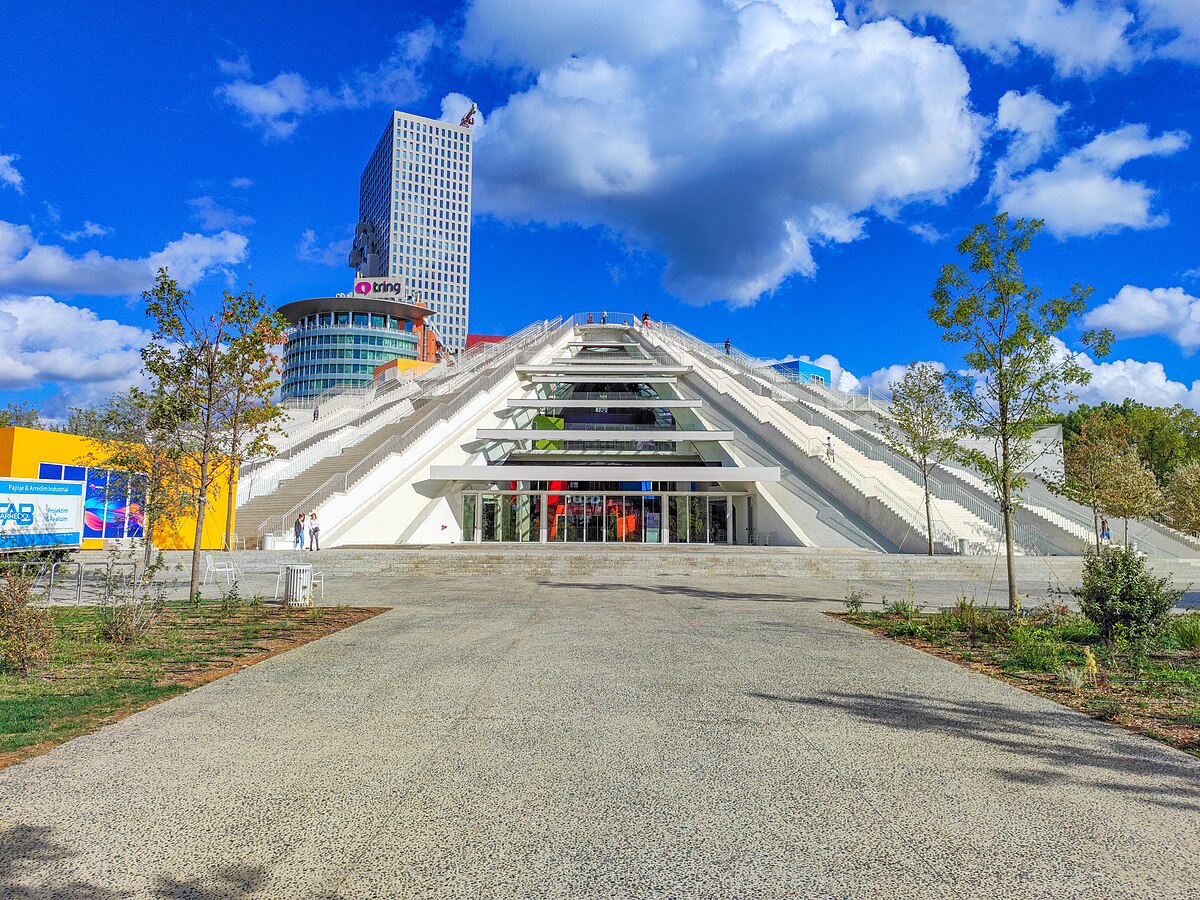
[790, 174]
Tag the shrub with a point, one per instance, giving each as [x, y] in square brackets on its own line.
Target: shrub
[854, 600]
[1033, 652]
[1073, 676]
[132, 600]
[25, 631]
[1185, 632]
[1118, 592]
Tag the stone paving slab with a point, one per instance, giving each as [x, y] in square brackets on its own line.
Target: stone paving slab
[521, 737]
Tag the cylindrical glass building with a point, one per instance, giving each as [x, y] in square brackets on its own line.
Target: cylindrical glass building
[338, 341]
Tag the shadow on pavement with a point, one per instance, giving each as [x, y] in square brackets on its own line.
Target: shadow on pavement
[29, 854]
[681, 590]
[1034, 737]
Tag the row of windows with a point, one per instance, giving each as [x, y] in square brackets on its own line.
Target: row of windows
[347, 340]
[303, 356]
[301, 372]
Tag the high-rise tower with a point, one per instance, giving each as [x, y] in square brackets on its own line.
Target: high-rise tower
[414, 212]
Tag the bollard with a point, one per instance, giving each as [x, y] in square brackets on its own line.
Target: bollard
[964, 547]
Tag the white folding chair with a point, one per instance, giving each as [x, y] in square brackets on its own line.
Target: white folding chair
[217, 569]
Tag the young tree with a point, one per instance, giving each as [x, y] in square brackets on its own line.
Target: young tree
[922, 428]
[1182, 501]
[19, 414]
[1130, 490]
[136, 436]
[251, 417]
[1018, 369]
[189, 359]
[1087, 463]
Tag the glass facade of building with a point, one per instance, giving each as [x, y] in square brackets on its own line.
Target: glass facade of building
[416, 192]
[341, 349]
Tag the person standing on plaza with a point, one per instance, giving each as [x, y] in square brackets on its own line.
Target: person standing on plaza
[298, 532]
[314, 532]
[604, 317]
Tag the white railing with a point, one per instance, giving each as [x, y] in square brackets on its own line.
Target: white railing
[868, 486]
[500, 358]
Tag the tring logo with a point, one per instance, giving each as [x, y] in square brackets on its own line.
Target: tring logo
[18, 513]
[378, 287]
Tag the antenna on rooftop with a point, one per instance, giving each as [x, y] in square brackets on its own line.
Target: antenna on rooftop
[469, 119]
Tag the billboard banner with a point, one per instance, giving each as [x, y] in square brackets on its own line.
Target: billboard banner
[38, 515]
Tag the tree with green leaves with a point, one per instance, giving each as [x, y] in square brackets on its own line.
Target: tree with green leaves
[1166, 437]
[191, 358]
[136, 437]
[922, 426]
[251, 418]
[1088, 459]
[1018, 368]
[1182, 499]
[19, 414]
[1130, 489]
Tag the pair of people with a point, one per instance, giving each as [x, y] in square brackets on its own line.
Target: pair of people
[1105, 533]
[312, 526]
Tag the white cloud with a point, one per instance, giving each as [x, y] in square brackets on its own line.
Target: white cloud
[1192, 273]
[1082, 194]
[1032, 120]
[213, 217]
[926, 232]
[89, 229]
[276, 106]
[1085, 37]
[9, 176]
[235, 68]
[334, 253]
[1174, 25]
[44, 341]
[26, 265]
[883, 379]
[767, 128]
[1137, 311]
[239, 183]
[1080, 37]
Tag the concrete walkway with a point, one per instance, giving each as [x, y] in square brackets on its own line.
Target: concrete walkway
[515, 737]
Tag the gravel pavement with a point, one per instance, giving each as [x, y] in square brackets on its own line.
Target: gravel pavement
[511, 737]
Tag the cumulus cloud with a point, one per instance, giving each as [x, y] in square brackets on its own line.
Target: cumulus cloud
[1080, 37]
[213, 217]
[277, 105]
[44, 341]
[882, 379]
[1032, 123]
[766, 130]
[334, 253]
[1085, 37]
[9, 176]
[89, 229]
[1083, 194]
[1146, 382]
[27, 265]
[1137, 311]
[926, 232]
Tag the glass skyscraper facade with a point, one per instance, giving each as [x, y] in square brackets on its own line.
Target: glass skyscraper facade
[415, 218]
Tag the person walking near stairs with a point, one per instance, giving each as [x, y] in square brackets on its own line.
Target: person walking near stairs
[314, 532]
[298, 532]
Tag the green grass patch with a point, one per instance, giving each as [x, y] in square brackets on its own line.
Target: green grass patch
[1058, 654]
[88, 681]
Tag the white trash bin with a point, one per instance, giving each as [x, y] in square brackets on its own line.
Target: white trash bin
[298, 586]
[268, 542]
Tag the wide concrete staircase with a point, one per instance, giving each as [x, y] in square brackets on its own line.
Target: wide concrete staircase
[303, 492]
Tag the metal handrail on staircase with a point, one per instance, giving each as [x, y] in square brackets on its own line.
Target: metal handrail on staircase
[430, 417]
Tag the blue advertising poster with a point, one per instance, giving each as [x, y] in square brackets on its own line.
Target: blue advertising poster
[40, 514]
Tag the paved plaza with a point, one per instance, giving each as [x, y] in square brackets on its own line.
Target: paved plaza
[573, 737]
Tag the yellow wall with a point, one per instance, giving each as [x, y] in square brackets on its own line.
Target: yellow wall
[23, 449]
[403, 365]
